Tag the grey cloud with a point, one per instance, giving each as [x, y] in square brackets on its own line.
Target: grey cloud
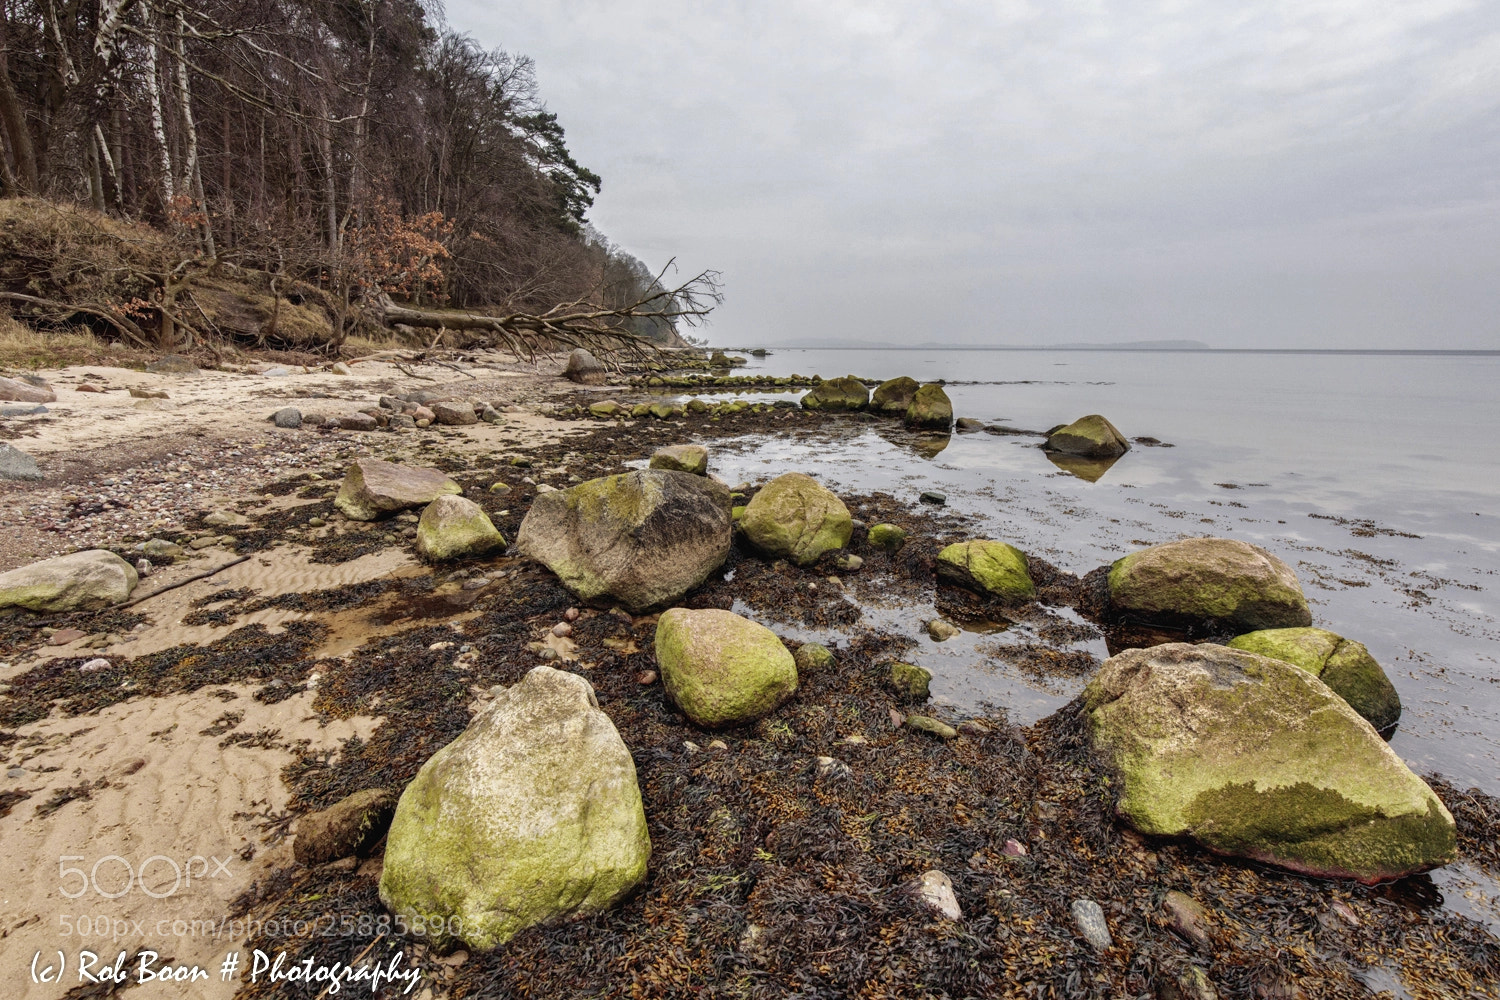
[1308, 172]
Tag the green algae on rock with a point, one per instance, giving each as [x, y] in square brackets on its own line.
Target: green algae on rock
[909, 681]
[452, 527]
[894, 395]
[1219, 581]
[722, 669]
[644, 538]
[988, 567]
[1254, 757]
[1344, 665]
[691, 458]
[837, 395]
[812, 657]
[532, 815]
[1090, 437]
[93, 578]
[372, 488]
[794, 517]
[930, 407]
[887, 536]
[607, 409]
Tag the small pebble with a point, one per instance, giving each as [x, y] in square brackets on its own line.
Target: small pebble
[571, 614]
[562, 629]
[718, 745]
[936, 890]
[1088, 916]
[1014, 849]
[98, 663]
[143, 567]
[646, 677]
[690, 746]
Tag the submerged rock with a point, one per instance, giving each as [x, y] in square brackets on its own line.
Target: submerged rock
[532, 815]
[584, 368]
[930, 408]
[1254, 757]
[894, 395]
[451, 527]
[722, 669]
[794, 517]
[1209, 580]
[1344, 665]
[95, 578]
[643, 538]
[1090, 437]
[993, 568]
[350, 826]
[372, 488]
[837, 395]
[691, 458]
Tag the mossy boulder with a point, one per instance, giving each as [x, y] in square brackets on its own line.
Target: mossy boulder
[80, 581]
[1218, 582]
[987, 567]
[644, 538]
[722, 669]
[909, 681]
[1344, 665]
[1256, 758]
[930, 409]
[813, 657]
[894, 395]
[531, 816]
[837, 394]
[691, 458]
[372, 489]
[887, 536]
[349, 827]
[1090, 437]
[607, 409]
[452, 527]
[794, 517]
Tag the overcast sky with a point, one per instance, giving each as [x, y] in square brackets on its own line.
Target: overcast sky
[1304, 173]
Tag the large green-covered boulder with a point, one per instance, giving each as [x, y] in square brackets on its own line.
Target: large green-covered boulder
[837, 394]
[894, 395]
[452, 527]
[993, 568]
[1091, 437]
[1217, 581]
[94, 578]
[722, 669]
[1256, 758]
[532, 815]
[644, 538]
[372, 488]
[1344, 665]
[794, 517]
[930, 408]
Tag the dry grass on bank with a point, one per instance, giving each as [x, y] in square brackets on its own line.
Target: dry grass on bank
[23, 347]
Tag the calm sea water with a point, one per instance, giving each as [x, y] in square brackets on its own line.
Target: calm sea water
[1376, 477]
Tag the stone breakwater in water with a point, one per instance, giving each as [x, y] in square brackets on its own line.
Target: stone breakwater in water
[783, 811]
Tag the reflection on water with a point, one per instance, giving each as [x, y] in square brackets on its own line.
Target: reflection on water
[930, 445]
[1088, 469]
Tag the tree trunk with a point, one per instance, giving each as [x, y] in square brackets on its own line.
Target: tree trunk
[159, 124]
[14, 120]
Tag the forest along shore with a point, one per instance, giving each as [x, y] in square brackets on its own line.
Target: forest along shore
[295, 631]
